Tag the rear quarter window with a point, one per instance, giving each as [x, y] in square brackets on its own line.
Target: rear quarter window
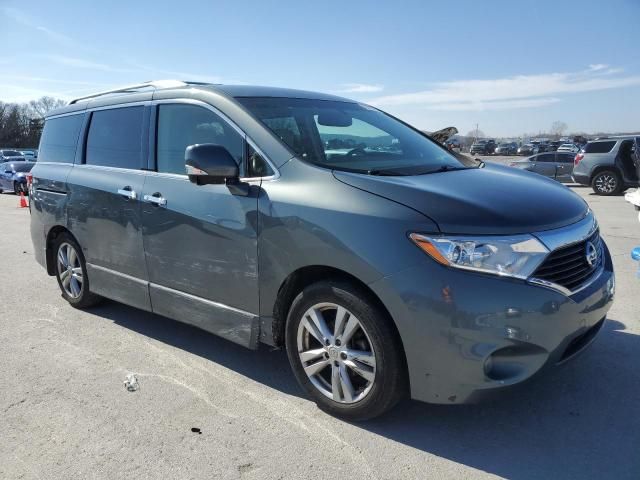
[60, 138]
[599, 147]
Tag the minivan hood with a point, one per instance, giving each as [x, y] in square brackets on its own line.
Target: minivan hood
[490, 200]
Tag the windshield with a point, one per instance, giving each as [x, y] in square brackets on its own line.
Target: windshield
[350, 137]
[11, 153]
[22, 167]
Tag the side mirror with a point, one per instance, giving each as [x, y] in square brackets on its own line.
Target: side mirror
[208, 163]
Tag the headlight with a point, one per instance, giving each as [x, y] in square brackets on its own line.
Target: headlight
[514, 256]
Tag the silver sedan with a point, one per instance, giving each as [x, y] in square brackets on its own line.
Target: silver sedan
[556, 165]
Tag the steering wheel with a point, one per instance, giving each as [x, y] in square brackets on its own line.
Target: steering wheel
[356, 151]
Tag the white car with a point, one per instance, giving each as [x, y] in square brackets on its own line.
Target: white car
[568, 147]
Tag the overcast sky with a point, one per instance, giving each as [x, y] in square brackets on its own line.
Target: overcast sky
[513, 67]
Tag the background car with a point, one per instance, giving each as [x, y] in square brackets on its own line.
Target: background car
[607, 165]
[555, 165]
[7, 155]
[483, 147]
[540, 148]
[506, 149]
[569, 147]
[30, 155]
[553, 146]
[13, 176]
[526, 149]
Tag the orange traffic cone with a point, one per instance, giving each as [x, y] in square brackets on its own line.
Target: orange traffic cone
[23, 201]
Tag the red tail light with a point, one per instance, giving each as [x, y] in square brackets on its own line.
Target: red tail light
[579, 157]
[29, 179]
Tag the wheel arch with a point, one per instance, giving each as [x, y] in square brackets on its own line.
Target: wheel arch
[52, 235]
[305, 276]
[602, 168]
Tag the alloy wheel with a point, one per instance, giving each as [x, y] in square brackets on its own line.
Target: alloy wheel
[336, 353]
[606, 183]
[70, 270]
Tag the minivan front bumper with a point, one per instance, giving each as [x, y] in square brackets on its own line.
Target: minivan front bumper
[467, 335]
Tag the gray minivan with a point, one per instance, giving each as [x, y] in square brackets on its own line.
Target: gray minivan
[385, 265]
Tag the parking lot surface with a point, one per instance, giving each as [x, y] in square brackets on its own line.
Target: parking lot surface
[65, 413]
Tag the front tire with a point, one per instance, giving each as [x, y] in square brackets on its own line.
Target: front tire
[607, 182]
[344, 351]
[71, 273]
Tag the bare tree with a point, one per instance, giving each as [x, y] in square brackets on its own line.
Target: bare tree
[475, 134]
[39, 108]
[558, 128]
[21, 124]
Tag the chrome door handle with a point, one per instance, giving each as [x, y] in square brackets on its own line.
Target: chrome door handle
[156, 199]
[127, 192]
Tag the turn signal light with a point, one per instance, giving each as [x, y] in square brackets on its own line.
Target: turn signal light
[428, 248]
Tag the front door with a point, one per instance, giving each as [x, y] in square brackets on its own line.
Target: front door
[545, 164]
[103, 207]
[200, 242]
[564, 166]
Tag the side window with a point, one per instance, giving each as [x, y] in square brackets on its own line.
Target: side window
[566, 157]
[257, 166]
[115, 138]
[60, 138]
[599, 147]
[546, 157]
[182, 125]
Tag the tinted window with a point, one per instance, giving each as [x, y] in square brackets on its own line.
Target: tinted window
[566, 157]
[115, 138]
[11, 153]
[599, 147]
[545, 157]
[22, 167]
[257, 166]
[182, 125]
[351, 137]
[59, 139]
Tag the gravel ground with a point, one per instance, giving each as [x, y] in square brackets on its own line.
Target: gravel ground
[65, 414]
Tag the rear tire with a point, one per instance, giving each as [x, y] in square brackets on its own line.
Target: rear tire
[607, 183]
[71, 273]
[18, 187]
[344, 351]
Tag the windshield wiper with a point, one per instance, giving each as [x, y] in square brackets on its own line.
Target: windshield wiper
[447, 168]
[385, 173]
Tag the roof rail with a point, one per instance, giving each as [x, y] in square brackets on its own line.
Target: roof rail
[154, 84]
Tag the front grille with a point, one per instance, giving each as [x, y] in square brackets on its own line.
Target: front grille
[568, 266]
